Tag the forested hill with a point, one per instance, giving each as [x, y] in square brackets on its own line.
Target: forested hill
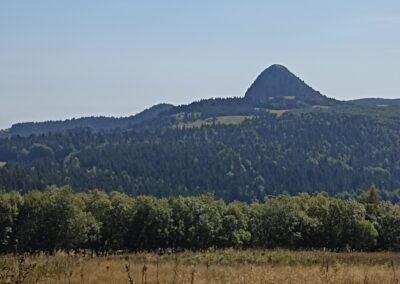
[276, 89]
[336, 150]
[282, 136]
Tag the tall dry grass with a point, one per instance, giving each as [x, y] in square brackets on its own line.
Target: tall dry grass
[222, 266]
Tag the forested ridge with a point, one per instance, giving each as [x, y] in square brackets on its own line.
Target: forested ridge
[317, 151]
[281, 137]
[58, 219]
[95, 123]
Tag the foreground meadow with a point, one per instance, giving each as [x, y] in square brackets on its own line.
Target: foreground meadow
[222, 266]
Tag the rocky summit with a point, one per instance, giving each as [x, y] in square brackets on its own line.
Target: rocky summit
[278, 83]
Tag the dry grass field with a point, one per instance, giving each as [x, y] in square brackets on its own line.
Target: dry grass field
[223, 266]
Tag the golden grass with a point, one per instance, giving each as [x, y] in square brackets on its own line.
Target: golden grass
[223, 266]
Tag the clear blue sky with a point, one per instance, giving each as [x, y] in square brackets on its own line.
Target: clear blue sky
[63, 59]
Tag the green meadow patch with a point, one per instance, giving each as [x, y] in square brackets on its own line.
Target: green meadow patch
[231, 119]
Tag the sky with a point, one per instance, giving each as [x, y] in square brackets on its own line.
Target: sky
[64, 59]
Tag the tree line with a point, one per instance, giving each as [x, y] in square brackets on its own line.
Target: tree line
[101, 223]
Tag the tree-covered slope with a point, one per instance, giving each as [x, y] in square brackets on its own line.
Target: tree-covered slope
[334, 150]
[282, 136]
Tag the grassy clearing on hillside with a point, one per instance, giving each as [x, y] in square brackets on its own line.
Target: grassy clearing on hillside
[2, 164]
[278, 112]
[223, 266]
[232, 119]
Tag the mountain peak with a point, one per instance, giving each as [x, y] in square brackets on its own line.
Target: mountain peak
[277, 67]
[278, 83]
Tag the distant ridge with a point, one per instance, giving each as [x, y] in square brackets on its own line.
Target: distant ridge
[94, 123]
[376, 102]
[275, 90]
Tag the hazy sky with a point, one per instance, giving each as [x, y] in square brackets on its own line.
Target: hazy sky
[63, 59]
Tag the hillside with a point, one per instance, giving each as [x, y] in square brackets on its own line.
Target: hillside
[321, 150]
[276, 88]
[237, 148]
